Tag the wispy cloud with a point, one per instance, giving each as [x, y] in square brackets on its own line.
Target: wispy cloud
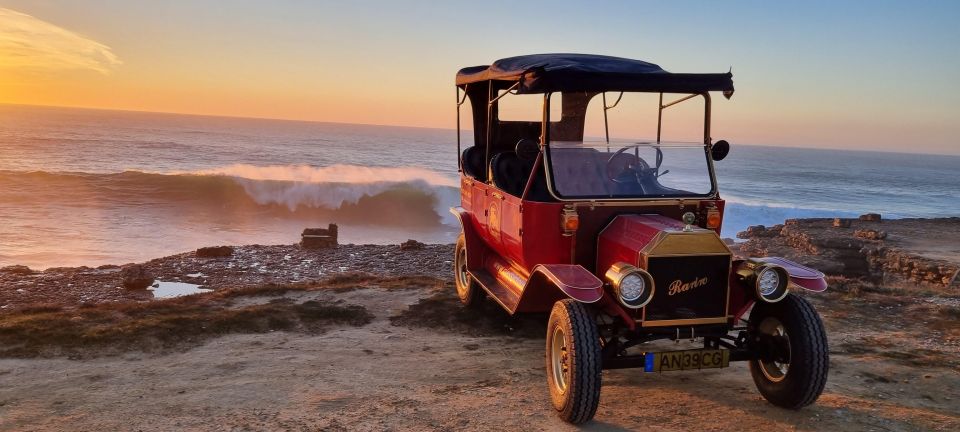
[31, 44]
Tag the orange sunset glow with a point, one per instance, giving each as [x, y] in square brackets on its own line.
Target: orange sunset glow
[307, 64]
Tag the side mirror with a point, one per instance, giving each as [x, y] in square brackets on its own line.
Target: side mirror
[527, 149]
[719, 150]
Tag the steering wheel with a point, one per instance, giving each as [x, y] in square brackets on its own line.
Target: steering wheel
[620, 163]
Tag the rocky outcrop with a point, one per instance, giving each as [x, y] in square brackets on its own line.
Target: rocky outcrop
[319, 238]
[249, 267]
[16, 269]
[135, 277]
[214, 252]
[412, 245]
[857, 248]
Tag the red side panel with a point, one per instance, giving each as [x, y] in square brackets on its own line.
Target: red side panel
[543, 241]
[511, 223]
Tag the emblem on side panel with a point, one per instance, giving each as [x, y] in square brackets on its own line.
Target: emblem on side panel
[493, 221]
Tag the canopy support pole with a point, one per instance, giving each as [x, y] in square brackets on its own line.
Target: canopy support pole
[688, 97]
[685, 98]
[490, 102]
[659, 117]
[459, 102]
[486, 159]
[707, 140]
[514, 86]
[606, 125]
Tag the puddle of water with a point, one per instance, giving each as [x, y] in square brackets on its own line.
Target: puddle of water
[162, 290]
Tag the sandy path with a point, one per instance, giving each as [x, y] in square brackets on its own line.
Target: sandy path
[385, 377]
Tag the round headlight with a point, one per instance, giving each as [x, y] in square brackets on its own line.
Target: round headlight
[768, 281]
[771, 283]
[631, 287]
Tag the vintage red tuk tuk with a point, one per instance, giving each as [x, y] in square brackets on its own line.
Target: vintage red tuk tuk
[595, 232]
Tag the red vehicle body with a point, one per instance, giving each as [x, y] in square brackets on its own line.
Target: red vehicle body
[619, 257]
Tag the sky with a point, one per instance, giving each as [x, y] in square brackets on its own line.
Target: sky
[877, 75]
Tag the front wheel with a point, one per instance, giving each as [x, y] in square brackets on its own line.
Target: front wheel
[791, 344]
[573, 361]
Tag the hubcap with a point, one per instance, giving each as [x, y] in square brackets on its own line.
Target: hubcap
[463, 278]
[559, 359]
[776, 368]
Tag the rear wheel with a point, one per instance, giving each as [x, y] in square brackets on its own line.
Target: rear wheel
[791, 370]
[573, 361]
[468, 291]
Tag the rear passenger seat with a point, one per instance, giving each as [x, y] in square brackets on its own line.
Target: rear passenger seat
[472, 162]
[510, 173]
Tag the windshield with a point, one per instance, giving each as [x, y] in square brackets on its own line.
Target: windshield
[628, 169]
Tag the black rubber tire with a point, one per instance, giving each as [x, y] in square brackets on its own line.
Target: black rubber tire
[806, 375]
[469, 293]
[578, 403]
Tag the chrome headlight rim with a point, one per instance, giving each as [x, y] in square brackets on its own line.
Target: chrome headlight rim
[783, 279]
[620, 271]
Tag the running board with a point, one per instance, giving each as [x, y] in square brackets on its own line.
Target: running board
[507, 298]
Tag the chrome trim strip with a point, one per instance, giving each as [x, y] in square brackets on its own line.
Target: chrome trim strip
[684, 322]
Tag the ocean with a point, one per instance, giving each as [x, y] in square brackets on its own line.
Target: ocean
[91, 187]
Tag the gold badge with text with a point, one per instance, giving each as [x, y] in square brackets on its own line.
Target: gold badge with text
[678, 286]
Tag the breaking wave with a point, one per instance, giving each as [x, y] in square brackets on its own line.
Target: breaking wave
[341, 193]
[346, 194]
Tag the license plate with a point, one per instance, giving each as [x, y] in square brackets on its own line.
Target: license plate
[686, 360]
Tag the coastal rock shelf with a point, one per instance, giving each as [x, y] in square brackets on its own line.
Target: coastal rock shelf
[247, 266]
[924, 252]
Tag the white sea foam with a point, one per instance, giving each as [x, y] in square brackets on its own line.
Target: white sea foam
[333, 186]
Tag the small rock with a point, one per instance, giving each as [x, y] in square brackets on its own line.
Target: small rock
[412, 245]
[319, 238]
[870, 217]
[214, 252]
[870, 234]
[842, 222]
[16, 269]
[135, 277]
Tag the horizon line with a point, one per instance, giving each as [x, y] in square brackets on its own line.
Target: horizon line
[427, 127]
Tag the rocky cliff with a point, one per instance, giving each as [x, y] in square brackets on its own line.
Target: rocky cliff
[918, 252]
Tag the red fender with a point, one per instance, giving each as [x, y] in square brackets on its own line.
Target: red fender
[475, 245]
[800, 275]
[549, 283]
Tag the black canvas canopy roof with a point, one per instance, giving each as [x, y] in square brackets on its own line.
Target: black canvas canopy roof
[544, 73]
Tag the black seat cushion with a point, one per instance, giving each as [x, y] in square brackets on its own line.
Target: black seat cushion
[472, 162]
[509, 173]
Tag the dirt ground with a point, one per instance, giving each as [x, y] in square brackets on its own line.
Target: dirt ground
[410, 358]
